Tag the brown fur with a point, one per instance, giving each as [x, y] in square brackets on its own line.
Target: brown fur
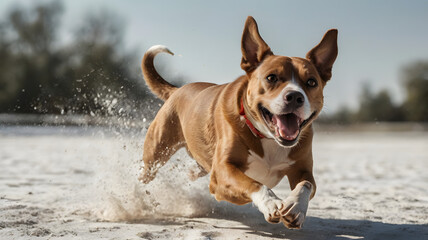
[204, 117]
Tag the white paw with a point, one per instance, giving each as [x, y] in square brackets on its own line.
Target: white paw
[291, 211]
[294, 212]
[268, 204]
[271, 210]
[296, 205]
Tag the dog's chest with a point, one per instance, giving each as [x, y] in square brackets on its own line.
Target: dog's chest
[267, 169]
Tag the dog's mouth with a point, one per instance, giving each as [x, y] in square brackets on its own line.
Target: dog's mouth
[287, 127]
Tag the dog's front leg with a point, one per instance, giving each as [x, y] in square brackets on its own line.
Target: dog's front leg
[296, 205]
[268, 204]
[227, 182]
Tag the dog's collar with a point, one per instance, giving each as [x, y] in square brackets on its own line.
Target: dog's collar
[250, 125]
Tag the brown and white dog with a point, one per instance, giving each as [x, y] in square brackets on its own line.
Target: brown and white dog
[250, 133]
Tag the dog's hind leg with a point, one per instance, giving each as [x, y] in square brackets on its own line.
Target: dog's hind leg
[164, 137]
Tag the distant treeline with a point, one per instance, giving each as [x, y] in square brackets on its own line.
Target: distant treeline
[380, 107]
[91, 74]
[94, 74]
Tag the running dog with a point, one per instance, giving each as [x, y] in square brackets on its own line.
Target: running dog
[250, 133]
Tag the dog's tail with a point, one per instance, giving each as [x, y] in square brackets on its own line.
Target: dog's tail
[156, 83]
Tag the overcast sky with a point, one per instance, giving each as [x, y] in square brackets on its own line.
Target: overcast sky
[376, 38]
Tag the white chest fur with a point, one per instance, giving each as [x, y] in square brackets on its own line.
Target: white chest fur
[266, 170]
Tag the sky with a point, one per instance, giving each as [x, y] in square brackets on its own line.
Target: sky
[376, 38]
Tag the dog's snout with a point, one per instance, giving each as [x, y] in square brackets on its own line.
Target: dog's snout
[294, 99]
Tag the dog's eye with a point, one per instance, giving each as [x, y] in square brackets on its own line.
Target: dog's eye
[272, 78]
[311, 82]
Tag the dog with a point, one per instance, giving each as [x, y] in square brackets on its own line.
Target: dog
[250, 133]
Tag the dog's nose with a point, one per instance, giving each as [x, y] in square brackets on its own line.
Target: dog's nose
[294, 99]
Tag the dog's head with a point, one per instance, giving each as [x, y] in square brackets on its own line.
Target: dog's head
[284, 94]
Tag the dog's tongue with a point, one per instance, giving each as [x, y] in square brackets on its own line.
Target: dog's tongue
[287, 126]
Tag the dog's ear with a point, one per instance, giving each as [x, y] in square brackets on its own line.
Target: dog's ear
[254, 49]
[324, 54]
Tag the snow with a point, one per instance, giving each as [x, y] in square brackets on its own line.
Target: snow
[75, 182]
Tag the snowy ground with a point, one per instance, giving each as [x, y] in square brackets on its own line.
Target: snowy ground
[80, 183]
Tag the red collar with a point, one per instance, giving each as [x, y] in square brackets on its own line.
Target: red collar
[249, 124]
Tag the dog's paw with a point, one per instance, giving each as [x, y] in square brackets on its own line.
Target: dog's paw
[295, 206]
[271, 210]
[293, 213]
[268, 204]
